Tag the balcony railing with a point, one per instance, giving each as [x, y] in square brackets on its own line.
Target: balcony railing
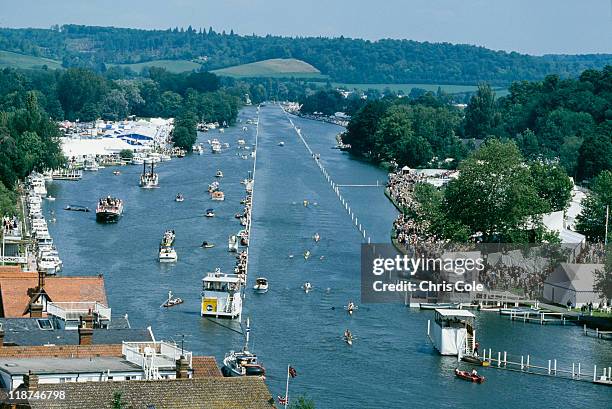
[160, 353]
[75, 310]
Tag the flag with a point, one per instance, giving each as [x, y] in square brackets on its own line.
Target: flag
[292, 372]
[282, 400]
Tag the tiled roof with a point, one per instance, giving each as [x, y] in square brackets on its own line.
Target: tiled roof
[204, 367]
[61, 351]
[9, 269]
[16, 290]
[203, 393]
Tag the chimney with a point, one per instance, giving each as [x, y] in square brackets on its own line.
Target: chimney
[1, 336]
[182, 368]
[30, 381]
[36, 311]
[41, 280]
[86, 330]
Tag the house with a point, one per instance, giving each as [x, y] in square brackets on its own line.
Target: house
[52, 364]
[64, 299]
[203, 393]
[572, 282]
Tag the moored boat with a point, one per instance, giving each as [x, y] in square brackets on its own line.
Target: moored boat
[242, 363]
[221, 295]
[210, 213]
[149, 179]
[233, 243]
[469, 376]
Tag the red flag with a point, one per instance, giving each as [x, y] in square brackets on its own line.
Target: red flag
[292, 372]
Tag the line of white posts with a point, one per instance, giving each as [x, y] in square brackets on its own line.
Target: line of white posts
[334, 185]
[525, 365]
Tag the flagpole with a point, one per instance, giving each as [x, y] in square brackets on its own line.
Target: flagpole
[287, 388]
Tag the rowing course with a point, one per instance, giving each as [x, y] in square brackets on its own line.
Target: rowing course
[390, 365]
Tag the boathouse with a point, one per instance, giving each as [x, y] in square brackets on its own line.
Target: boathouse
[572, 282]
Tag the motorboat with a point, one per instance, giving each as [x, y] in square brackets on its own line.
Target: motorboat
[109, 209]
[469, 376]
[172, 301]
[233, 243]
[116, 172]
[316, 237]
[179, 198]
[213, 187]
[207, 245]
[210, 213]
[281, 143]
[307, 287]
[221, 295]
[219, 174]
[167, 254]
[261, 285]
[244, 362]
[50, 198]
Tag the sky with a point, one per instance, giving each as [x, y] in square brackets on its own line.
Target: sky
[526, 26]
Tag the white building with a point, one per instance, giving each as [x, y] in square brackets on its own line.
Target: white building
[572, 282]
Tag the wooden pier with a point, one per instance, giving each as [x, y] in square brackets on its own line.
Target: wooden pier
[542, 317]
[525, 364]
[597, 333]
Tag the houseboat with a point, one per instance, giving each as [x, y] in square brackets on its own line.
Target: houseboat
[221, 295]
[452, 332]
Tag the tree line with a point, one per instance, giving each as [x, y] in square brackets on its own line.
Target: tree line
[342, 59]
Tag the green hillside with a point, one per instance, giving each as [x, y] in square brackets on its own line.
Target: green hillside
[175, 66]
[277, 67]
[15, 60]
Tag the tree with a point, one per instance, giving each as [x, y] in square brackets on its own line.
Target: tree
[494, 194]
[78, 88]
[480, 114]
[7, 201]
[592, 219]
[302, 402]
[126, 154]
[114, 106]
[185, 134]
[552, 184]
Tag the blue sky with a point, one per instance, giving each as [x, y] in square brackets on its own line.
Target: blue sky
[527, 26]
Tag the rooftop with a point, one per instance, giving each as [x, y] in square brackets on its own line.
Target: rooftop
[205, 393]
[455, 313]
[40, 366]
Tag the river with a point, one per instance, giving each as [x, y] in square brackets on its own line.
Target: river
[391, 364]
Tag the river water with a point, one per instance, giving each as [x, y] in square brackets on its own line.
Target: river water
[391, 364]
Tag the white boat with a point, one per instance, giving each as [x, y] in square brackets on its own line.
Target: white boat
[168, 238]
[218, 196]
[242, 363]
[213, 186]
[137, 160]
[221, 295]
[261, 285]
[172, 301]
[91, 165]
[316, 237]
[179, 198]
[210, 213]
[165, 157]
[307, 287]
[149, 179]
[281, 143]
[167, 254]
[219, 174]
[50, 198]
[233, 243]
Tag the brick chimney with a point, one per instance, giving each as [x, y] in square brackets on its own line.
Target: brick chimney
[86, 329]
[36, 311]
[41, 280]
[30, 381]
[182, 368]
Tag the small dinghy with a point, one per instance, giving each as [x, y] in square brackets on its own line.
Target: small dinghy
[210, 213]
[261, 285]
[219, 174]
[207, 245]
[116, 172]
[469, 376]
[281, 143]
[179, 198]
[172, 301]
[307, 287]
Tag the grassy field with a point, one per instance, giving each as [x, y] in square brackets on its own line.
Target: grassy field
[278, 68]
[14, 60]
[405, 88]
[175, 66]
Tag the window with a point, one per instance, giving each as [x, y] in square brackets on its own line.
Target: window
[64, 380]
[45, 325]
